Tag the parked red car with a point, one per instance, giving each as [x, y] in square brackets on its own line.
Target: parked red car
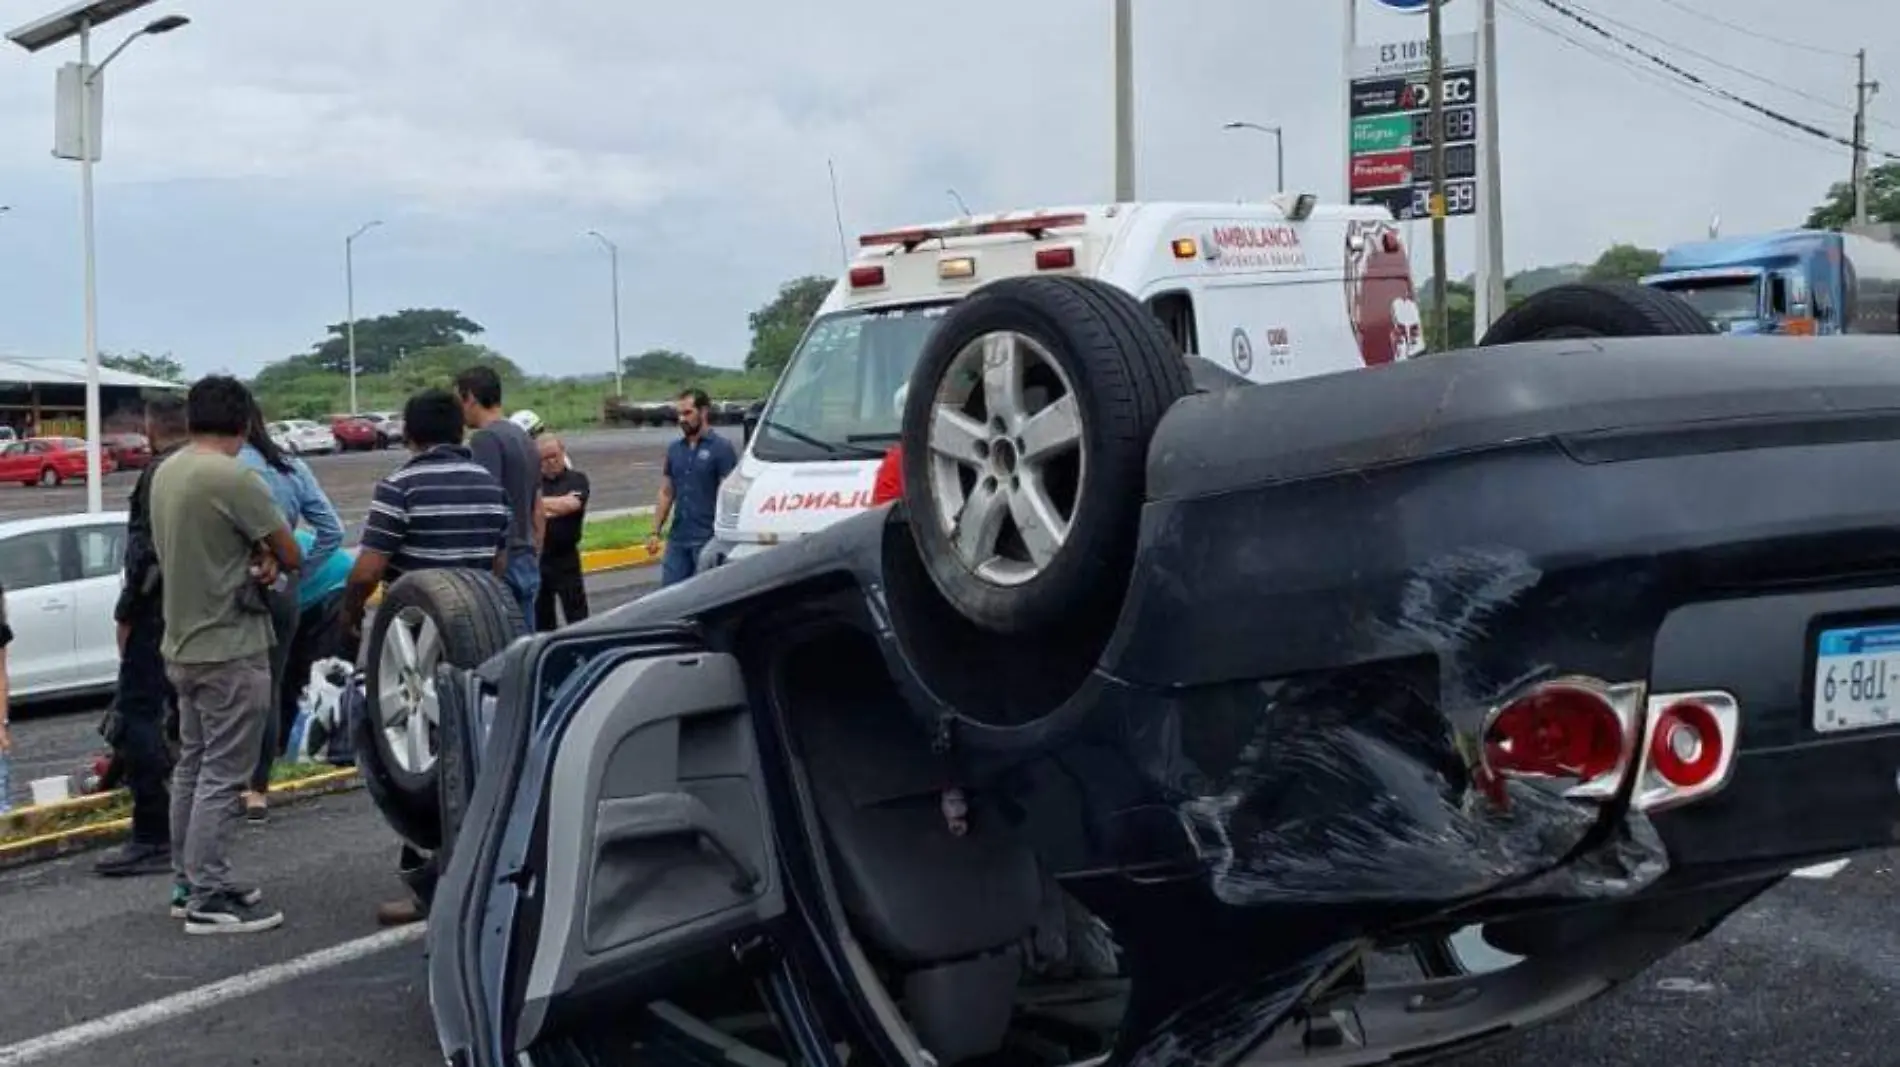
[48, 461]
[354, 434]
[131, 451]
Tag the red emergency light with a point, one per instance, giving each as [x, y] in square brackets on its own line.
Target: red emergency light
[867, 277]
[1034, 225]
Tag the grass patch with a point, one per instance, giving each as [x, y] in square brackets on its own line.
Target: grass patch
[621, 531]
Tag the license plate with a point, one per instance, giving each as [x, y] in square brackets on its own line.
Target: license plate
[1857, 678]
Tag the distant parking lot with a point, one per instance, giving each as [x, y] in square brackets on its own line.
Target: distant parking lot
[623, 465]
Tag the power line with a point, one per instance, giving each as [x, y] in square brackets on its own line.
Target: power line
[1703, 84]
[1722, 63]
[1660, 80]
[1757, 34]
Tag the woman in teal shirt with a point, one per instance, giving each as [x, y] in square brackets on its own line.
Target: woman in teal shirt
[317, 635]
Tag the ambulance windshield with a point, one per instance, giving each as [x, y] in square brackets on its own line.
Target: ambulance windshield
[838, 396]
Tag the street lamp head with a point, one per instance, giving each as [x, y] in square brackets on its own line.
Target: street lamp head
[166, 24]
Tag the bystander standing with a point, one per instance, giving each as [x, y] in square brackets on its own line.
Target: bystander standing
[135, 725]
[689, 488]
[302, 501]
[221, 541]
[439, 510]
[564, 493]
[508, 453]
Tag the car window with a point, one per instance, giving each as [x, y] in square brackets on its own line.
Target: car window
[101, 551]
[17, 448]
[30, 560]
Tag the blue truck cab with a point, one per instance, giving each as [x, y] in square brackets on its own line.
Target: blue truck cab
[1802, 282]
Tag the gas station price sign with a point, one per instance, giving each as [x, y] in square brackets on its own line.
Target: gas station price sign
[1389, 142]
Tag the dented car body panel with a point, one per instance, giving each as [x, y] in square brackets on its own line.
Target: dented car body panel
[1276, 753]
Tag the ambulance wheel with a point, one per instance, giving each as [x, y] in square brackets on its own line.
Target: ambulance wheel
[1596, 309]
[428, 619]
[1026, 433]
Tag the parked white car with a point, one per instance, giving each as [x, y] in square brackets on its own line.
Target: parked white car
[301, 437]
[62, 576]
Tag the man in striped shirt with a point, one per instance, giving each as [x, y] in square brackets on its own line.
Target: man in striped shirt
[440, 509]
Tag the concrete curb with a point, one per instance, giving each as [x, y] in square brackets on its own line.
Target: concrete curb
[81, 838]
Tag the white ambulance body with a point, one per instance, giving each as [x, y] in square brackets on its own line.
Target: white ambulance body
[1271, 291]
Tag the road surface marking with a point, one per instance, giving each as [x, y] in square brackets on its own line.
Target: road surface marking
[1821, 872]
[186, 1003]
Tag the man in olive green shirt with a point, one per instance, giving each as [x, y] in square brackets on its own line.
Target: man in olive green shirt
[220, 538]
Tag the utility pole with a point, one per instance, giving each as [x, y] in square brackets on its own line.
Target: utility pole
[1441, 315]
[1124, 101]
[1491, 298]
[1864, 91]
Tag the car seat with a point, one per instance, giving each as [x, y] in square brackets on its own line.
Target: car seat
[946, 913]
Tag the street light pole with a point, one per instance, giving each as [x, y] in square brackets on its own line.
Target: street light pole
[95, 467]
[349, 297]
[613, 260]
[1279, 149]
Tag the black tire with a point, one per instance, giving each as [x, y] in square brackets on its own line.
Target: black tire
[477, 617]
[49, 478]
[1596, 309]
[1125, 373]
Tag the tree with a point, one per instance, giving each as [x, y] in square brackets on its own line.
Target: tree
[164, 368]
[777, 327]
[383, 340]
[1624, 263]
[666, 365]
[1883, 200]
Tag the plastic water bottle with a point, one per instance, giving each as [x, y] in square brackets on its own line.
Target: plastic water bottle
[6, 783]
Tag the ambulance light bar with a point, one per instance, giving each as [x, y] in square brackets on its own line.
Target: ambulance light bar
[1034, 225]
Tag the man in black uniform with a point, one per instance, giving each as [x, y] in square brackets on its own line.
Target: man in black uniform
[564, 502]
[135, 726]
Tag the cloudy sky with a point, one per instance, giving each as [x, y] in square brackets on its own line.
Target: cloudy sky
[489, 136]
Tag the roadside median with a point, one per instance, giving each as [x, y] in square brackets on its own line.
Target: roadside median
[46, 831]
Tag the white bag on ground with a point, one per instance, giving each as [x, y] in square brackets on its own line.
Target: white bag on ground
[319, 723]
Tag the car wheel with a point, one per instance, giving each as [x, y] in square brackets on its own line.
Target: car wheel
[49, 477]
[427, 620]
[1596, 309]
[1026, 435]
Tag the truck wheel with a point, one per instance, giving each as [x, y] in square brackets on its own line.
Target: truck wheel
[1026, 435]
[428, 619]
[1596, 309]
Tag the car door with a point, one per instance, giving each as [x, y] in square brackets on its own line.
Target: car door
[619, 837]
[98, 553]
[16, 463]
[41, 608]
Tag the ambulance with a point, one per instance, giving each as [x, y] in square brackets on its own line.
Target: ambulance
[1270, 291]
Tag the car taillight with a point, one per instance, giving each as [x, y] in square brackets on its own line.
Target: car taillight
[866, 277]
[1689, 748]
[1575, 729]
[1062, 258]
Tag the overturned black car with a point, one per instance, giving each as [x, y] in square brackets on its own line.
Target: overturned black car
[1365, 717]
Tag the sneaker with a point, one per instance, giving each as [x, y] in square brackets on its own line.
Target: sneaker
[132, 859]
[250, 897]
[400, 912]
[256, 808]
[227, 913]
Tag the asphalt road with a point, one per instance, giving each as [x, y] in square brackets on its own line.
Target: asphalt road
[97, 973]
[623, 466]
[57, 737]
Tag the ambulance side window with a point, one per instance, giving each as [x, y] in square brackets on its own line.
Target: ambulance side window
[1176, 312]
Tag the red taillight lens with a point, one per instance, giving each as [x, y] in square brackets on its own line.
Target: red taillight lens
[1558, 730]
[1391, 242]
[1690, 747]
[1055, 258]
[866, 277]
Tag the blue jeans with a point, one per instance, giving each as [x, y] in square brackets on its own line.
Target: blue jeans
[524, 580]
[680, 562]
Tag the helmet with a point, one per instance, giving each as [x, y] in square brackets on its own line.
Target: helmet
[528, 421]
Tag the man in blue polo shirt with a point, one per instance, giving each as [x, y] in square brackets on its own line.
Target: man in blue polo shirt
[689, 488]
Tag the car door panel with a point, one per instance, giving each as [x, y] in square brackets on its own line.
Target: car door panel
[618, 835]
[99, 552]
[41, 608]
[657, 829]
